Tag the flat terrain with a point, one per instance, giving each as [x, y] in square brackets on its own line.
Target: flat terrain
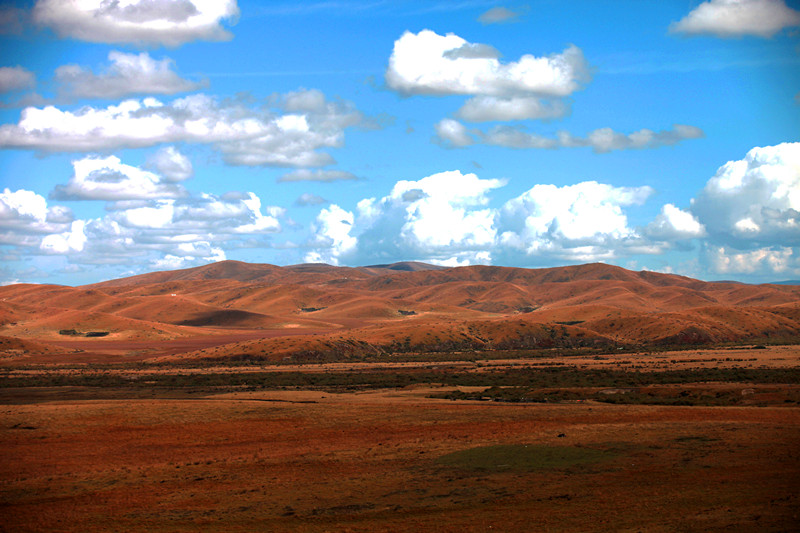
[702, 440]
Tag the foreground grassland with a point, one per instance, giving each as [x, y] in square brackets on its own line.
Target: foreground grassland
[705, 440]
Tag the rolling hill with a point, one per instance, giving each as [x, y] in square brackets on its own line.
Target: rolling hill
[235, 309]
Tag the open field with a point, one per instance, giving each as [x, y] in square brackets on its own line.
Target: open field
[380, 447]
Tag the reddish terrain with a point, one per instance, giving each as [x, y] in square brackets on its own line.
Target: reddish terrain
[381, 461]
[307, 312]
[406, 397]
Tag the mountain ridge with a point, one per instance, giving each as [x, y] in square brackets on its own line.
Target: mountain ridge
[331, 311]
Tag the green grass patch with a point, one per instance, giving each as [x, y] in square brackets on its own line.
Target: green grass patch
[508, 384]
[523, 457]
[664, 394]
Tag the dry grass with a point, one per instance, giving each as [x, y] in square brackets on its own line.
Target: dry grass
[371, 461]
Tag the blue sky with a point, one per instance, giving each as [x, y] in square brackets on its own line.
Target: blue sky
[150, 135]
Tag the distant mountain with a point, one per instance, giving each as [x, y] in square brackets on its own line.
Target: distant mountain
[787, 282]
[406, 266]
[319, 310]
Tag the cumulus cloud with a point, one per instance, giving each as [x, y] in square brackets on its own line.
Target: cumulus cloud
[189, 254]
[244, 136]
[143, 22]
[498, 15]
[16, 79]
[674, 224]
[778, 260]
[425, 63]
[98, 178]
[162, 232]
[70, 241]
[453, 134]
[737, 18]
[443, 210]
[183, 218]
[429, 63]
[584, 221]
[754, 201]
[182, 231]
[439, 217]
[324, 175]
[332, 237]
[171, 164]
[446, 219]
[25, 216]
[128, 74]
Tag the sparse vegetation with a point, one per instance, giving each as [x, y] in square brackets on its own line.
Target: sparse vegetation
[523, 457]
[542, 384]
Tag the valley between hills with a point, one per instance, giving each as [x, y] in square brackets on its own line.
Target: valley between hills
[401, 397]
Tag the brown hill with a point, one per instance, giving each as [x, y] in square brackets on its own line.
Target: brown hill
[298, 310]
[12, 347]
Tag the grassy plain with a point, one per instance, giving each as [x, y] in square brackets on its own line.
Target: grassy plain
[700, 440]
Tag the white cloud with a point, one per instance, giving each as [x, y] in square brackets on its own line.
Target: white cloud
[171, 164]
[163, 232]
[25, 216]
[306, 100]
[243, 135]
[72, 240]
[446, 219]
[453, 134]
[584, 221]
[97, 178]
[497, 15]
[151, 22]
[769, 261]
[488, 108]
[332, 237]
[514, 137]
[675, 224]
[754, 201]
[607, 140]
[441, 210]
[182, 219]
[182, 231]
[324, 175]
[16, 79]
[439, 217]
[464, 259]
[128, 74]
[425, 63]
[189, 254]
[736, 18]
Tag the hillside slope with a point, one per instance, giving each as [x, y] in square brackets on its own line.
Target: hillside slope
[342, 311]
